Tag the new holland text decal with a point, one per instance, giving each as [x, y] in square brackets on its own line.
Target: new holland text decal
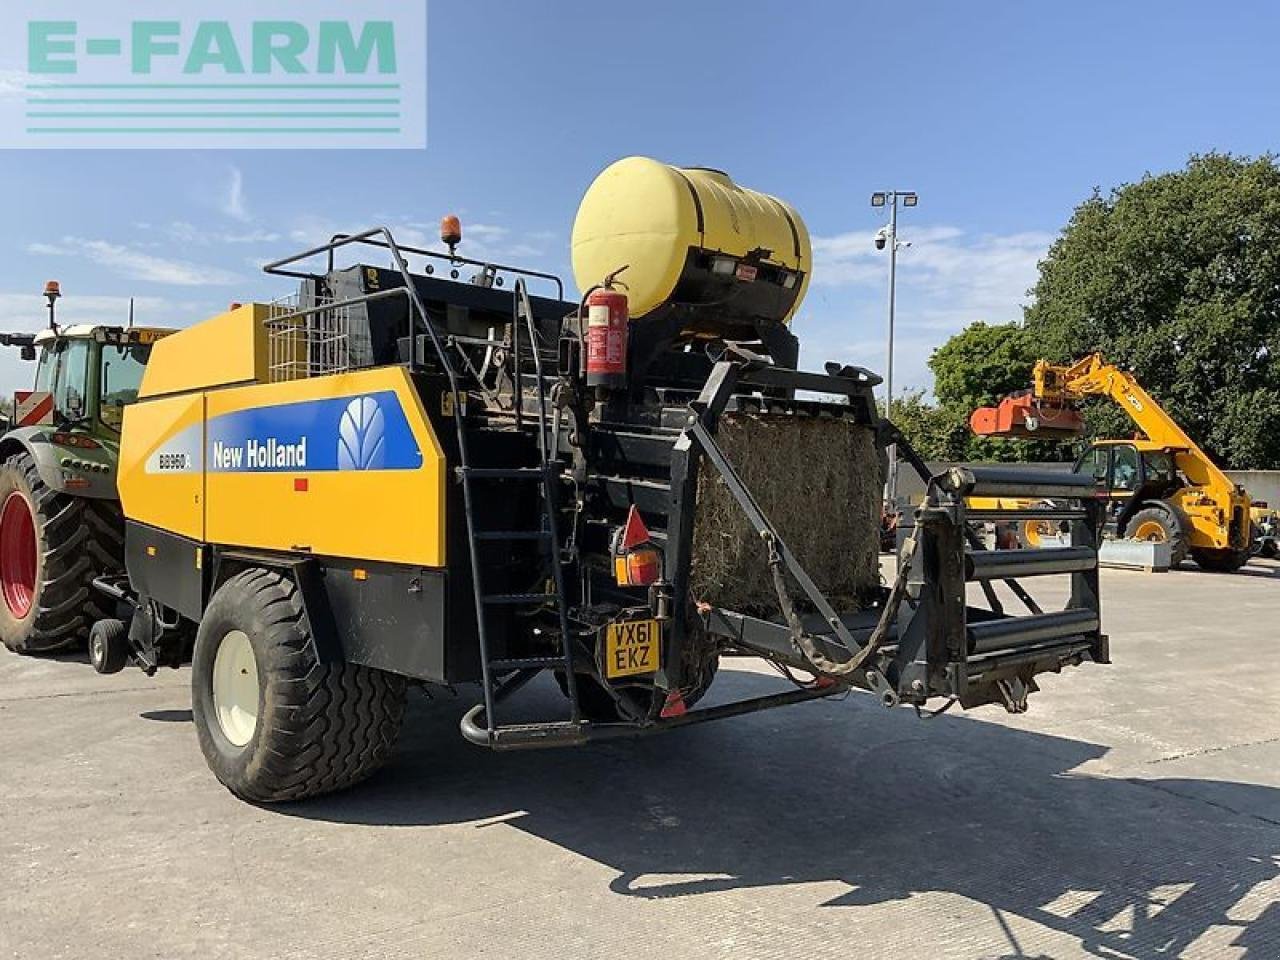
[367, 432]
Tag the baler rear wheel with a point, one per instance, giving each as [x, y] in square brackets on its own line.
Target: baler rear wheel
[52, 545]
[275, 724]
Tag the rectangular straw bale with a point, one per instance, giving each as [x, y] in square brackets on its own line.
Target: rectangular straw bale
[820, 482]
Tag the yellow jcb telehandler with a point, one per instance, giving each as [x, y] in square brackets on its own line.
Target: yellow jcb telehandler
[1158, 486]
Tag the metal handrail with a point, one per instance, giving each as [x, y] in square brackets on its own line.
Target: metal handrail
[342, 239]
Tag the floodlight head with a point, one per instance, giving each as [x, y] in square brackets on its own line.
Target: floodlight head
[878, 198]
[910, 199]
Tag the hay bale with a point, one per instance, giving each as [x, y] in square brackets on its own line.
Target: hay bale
[820, 483]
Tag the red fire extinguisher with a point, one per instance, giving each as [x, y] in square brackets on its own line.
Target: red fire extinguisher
[606, 335]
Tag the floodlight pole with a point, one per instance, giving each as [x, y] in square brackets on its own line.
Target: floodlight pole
[891, 481]
[890, 199]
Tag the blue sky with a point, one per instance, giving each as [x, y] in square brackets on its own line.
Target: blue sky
[1002, 115]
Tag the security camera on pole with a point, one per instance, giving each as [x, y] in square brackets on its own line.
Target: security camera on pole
[887, 236]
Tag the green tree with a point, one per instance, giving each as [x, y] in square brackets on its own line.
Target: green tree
[983, 363]
[1177, 278]
[934, 432]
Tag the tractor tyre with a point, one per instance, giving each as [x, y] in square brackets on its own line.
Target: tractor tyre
[274, 723]
[1220, 561]
[1159, 525]
[52, 545]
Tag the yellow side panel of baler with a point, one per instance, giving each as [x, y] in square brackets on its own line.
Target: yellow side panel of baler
[345, 465]
[161, 478]
[226, 349]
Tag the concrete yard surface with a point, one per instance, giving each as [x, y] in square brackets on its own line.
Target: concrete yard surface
[1134, 812]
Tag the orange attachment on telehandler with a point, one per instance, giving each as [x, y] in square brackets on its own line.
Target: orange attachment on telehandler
[1022, 415]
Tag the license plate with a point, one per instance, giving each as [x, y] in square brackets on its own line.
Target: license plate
[631, 648]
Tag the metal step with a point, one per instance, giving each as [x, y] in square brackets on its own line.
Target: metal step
[513, 599]
[529, 736]
[513, 535]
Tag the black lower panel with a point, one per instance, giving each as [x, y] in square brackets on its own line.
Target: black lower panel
[388, 616]
[166, 567]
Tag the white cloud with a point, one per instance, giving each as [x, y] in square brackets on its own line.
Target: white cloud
[947, 279]
[188, 234]
[29, 311]
[129, 261]
[234, 204]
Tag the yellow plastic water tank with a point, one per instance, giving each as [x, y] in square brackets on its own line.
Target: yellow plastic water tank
[691, 235]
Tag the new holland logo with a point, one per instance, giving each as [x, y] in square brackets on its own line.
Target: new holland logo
[362, 436]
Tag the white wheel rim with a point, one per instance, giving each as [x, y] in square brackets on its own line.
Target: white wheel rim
[235, 688]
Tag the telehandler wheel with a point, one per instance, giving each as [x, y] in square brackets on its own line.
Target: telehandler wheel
[1220, 561]
[1157, 525]
[274, 724]
[52, 545]
[109, 646]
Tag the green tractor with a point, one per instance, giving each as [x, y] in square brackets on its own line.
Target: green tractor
[60, 518]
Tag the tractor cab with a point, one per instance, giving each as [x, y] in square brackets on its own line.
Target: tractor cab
[90, 374]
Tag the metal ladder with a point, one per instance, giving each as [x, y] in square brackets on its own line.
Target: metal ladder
[518, 671]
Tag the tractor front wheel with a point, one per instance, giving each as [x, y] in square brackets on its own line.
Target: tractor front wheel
[52, 545]
[274, 723]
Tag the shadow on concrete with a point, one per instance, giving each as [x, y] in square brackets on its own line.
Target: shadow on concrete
[874, 799]
[168, 716]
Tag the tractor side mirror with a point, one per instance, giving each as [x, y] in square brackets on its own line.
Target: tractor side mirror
[28, 352]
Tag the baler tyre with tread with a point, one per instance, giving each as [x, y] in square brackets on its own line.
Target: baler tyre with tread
[52, 545]
[1160, 525]
[1220, 561]
[274, 723]
[109, 646]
